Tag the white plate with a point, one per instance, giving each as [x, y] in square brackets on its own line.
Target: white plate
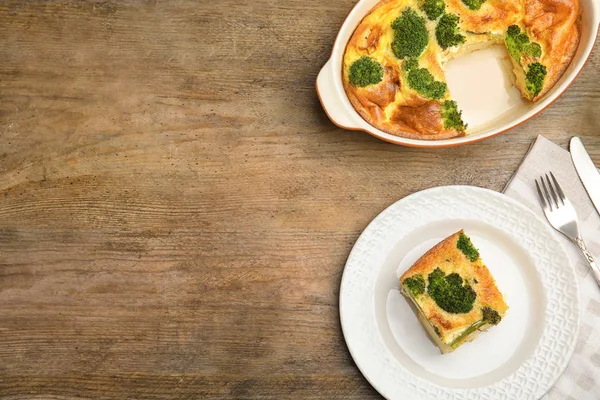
[519, 359]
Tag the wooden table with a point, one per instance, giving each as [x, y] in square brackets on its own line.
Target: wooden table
[176, 208]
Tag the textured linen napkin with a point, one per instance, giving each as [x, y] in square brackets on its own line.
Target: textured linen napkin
[581, 379]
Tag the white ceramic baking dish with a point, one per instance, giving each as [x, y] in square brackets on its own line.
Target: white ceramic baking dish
[481, 82]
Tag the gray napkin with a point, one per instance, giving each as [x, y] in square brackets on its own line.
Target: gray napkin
[581, 379]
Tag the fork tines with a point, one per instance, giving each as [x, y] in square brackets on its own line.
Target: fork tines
[552, 195]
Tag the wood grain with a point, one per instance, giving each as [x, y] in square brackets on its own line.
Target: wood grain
[176, 208]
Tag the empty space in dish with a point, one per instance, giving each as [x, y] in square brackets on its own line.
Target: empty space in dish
[482, 83]
[493, 355]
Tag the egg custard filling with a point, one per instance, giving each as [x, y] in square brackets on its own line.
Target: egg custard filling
[454, 292]
[393, 64]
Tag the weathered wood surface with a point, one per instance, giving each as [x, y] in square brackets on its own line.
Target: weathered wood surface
[176, 209]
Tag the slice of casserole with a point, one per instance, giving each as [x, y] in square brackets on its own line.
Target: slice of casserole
[454, 292]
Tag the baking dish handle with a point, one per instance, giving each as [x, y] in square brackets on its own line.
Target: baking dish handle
[329, 95]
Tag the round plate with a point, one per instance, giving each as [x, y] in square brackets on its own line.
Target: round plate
[518, 359]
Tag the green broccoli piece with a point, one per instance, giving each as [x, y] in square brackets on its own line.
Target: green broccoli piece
[447, 33]
[491, 316]
[410, 64]
[437, 331]
[518, 43]
[433, 8]
[534, 79]
[452, 117]
[415, 285]
[410, 35]
[450, 292]
[515, 40]
[533, 49]
[421, 80]
[473, 4]
[513, 48]
[513, 30]
[464, 244]
[365, 71]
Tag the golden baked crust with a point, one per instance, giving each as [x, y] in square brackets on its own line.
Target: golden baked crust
[555, 25]
[449, 259]
[393, 107]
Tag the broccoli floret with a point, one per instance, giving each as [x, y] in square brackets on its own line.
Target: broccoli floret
[515, 41]
[415, 285]
[365, 71]
[464, 244]
[491, 316]
[452, 117]
[450, 292]
[518, 43]
[433, 8]
[473, 4]
[513, 30]
[533, 49]
[513, 48]
[437, 331]
[410, 64]
[534, 79]
[421, 80]
[447, 33]
[410, 35]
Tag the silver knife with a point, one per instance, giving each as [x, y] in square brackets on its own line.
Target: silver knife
[587, 171]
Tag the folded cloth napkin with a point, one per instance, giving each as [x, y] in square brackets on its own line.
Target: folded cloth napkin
[581, 379]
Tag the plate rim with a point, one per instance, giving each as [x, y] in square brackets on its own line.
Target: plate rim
[502, 197]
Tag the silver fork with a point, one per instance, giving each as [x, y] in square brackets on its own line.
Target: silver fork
[562, 216]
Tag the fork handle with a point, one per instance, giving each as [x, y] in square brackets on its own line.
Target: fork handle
[589, 258]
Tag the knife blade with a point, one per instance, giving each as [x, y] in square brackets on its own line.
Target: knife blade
[587, 171]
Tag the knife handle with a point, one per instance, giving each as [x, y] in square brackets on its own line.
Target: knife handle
[589, 258]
